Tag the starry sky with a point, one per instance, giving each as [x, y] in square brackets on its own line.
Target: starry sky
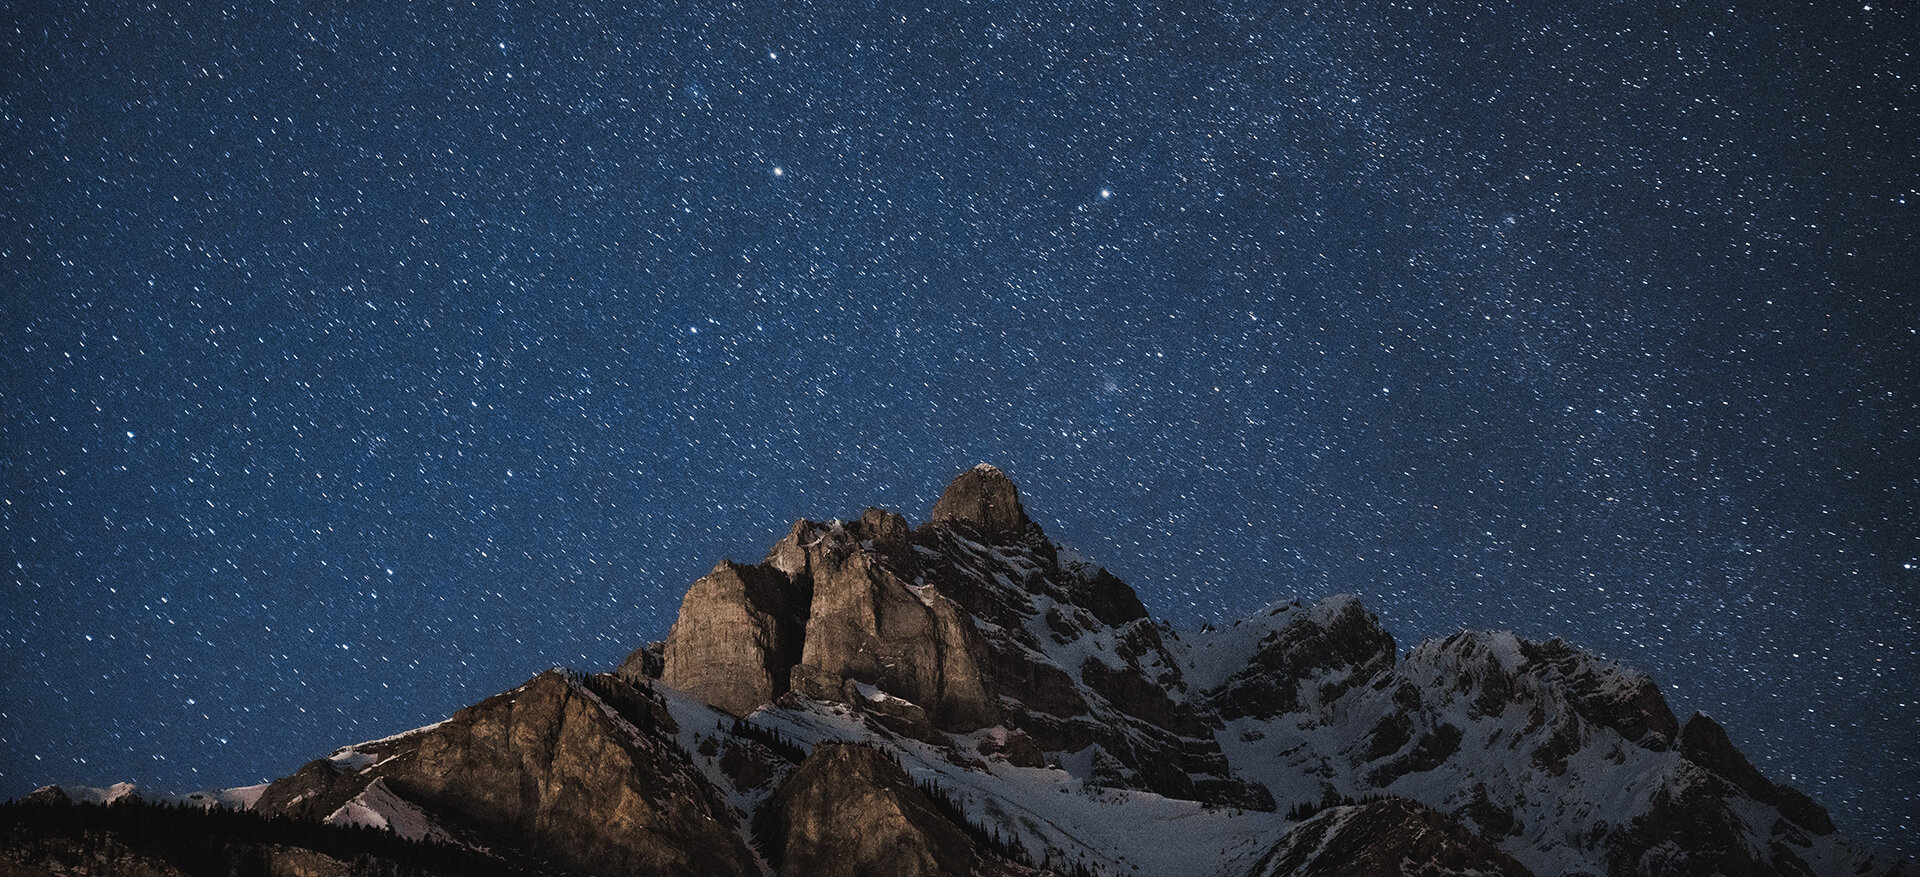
[361, 362]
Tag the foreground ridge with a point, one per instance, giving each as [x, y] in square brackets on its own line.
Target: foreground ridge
[967, 697]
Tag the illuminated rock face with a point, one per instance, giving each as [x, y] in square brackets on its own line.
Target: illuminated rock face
[737, 638]
[899, 830]
[985, 499]
[582, 771]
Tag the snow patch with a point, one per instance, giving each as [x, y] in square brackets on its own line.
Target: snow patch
[377, 806]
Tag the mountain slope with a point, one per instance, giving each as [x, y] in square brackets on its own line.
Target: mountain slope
[965, 697]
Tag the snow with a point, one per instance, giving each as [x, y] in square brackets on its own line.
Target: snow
[1052, 810]
[875, 695]
[239, 798]
[377, 806]
[108, 795]
[1212, 656]
[357, 757]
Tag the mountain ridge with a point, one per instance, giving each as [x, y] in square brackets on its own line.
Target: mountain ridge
[1057, 727]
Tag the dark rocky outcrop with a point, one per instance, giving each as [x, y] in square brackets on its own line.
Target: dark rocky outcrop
[1390, 836]
[1338, 643]
[1705, 743]
[1606, 696]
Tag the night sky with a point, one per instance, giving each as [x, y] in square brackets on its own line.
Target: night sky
[359, 365]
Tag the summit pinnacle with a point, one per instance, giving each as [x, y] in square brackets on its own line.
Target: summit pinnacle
[984, 498]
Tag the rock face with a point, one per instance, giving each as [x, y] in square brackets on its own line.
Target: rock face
[802, 709]
[985, 500]
[875, 622]
[1391, 836]
[969, 622]
[1705, 743]
[898, 830]
[580, 771]
[1513, 739]
[738, 637]
[1333, 646]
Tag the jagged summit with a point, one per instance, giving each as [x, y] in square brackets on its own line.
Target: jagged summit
[985, 499]
[966, 698]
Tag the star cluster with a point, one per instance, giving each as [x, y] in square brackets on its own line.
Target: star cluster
[361, 363]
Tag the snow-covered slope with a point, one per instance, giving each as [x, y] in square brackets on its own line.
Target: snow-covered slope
[1570, 763]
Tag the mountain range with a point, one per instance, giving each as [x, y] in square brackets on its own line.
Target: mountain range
[968, 697]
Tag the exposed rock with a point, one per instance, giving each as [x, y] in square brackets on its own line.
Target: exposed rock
[1429, 752]
[294, 862]
[850, 811]
[1108, 598]
[1690, 830]
[871, 625]
[789, 555]
[738, 637]
[985, 500]
[48, 795]
[1337, 643]
[582, 771]
[1704, 742]
[644, 663]
[306, 793]
[1015, 746]
[1608, 696]
[578, 777]
[1391, 836]
[887, 535]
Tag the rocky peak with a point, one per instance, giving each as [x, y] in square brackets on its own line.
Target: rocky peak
[1258, 667]
[574, 769]
[986, 500]
[1705, 743]
[738, 636]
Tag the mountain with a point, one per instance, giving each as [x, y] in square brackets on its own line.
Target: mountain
[967, 697]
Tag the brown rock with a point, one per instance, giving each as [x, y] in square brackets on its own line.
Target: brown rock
[576, 777]
[789, 555]
[887, 535]
[868, 625]
[850, 811]
[737, 638]
[986, 500]
[644, 663]
[312, 792]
